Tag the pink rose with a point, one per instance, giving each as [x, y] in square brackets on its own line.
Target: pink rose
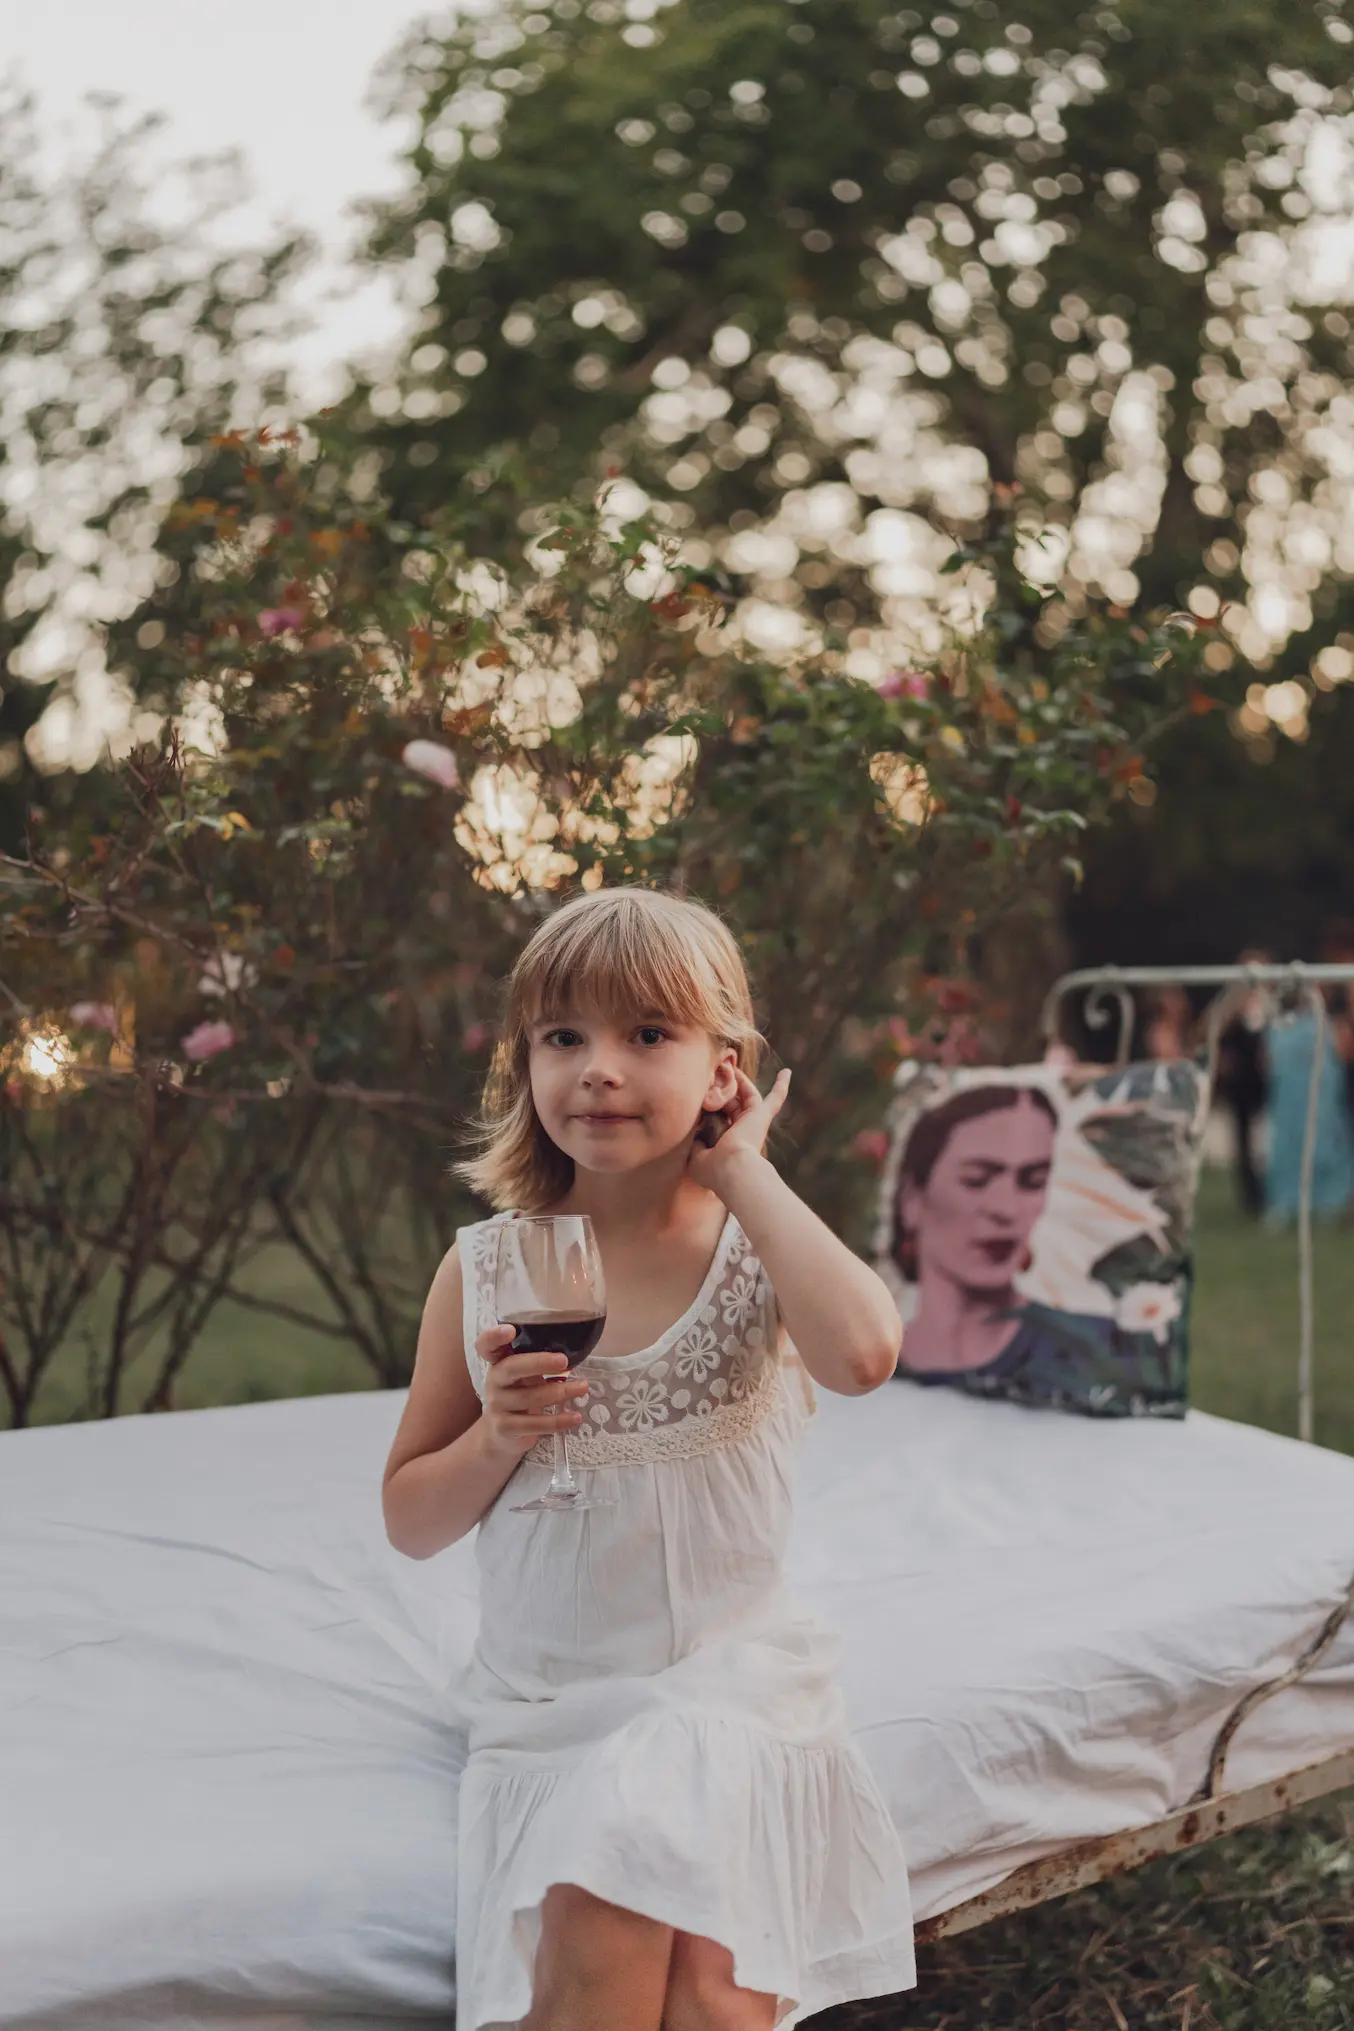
[429, 758]
[476, 1036]
[95, 1015]
[206, 1041]
[872, 1144]
[275, 620]
[905, 684]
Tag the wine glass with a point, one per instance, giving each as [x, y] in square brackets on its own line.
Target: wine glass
[548, 1284]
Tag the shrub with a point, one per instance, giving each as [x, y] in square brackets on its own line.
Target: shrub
[382, 756]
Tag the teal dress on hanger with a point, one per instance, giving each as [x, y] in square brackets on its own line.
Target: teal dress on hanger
[1290, 1046]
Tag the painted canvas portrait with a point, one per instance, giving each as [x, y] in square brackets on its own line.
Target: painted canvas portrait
[1035, 1228]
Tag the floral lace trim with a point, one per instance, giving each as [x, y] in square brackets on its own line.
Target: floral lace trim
[708, 1381]
[479, 1308]
[702, 1432]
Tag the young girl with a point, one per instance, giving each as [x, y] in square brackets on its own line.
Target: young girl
[663, 1821]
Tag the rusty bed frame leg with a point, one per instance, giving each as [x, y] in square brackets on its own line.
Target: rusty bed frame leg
[1311, 1656]
[1095, 1861]
[1207, 1815]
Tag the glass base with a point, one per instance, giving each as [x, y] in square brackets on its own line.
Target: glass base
[552, 1501]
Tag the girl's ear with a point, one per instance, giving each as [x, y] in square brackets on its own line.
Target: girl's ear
[723, 1080]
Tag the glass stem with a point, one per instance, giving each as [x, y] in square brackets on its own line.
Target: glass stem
[562, 1480]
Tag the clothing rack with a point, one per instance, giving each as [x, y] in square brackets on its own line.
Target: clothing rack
[1109, 993]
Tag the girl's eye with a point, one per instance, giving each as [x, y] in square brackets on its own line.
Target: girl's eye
[651, 1034]
[564, 1038]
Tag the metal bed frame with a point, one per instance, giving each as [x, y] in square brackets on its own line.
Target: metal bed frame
[1211, 1810]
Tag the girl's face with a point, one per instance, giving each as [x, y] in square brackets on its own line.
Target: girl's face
[974, 1216]
[617, 1094]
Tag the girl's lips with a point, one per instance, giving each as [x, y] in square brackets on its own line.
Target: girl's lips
[997, 1252]
[605, 1120]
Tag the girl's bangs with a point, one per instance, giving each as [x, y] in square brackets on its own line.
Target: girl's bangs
[631, 963]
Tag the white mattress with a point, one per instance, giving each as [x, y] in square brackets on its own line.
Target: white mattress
[228, 1739]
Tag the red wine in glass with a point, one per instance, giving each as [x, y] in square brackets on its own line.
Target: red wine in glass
[549, 1333]
[549, 1286]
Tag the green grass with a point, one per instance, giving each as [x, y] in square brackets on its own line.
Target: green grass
[1245, 1352]
[1255, 1933]
[244, 1356]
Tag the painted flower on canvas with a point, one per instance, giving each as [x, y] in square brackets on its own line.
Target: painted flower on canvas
[1149, 1308]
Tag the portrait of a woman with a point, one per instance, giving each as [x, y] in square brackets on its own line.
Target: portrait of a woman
[1035, 1232]
[972, 1182]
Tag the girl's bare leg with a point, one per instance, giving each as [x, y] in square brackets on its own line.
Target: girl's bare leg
[702, 1995]
[597, 1966]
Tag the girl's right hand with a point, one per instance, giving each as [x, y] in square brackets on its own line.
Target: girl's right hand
[519, 1392]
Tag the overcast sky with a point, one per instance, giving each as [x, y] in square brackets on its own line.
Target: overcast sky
[283, 80]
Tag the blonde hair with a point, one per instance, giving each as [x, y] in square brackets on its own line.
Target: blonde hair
[623, 952]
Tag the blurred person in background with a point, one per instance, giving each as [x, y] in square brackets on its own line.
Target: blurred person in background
[1241, 1081]
[1337, 949]
[1170, 1021]
[1291, 1044]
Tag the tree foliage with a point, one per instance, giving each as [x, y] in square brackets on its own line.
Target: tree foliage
[757, 250]
[289, 929]
[130, 326]
[805, 287]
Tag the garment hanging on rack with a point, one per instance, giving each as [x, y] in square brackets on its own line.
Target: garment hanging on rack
[1290, 1046]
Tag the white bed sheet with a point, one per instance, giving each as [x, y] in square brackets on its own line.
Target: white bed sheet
[228, 1739]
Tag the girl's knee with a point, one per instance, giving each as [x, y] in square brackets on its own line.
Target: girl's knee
[569, 1914]
[703, 1996]
[597, 1964]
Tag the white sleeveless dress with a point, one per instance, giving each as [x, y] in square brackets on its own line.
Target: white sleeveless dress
[651, 1717]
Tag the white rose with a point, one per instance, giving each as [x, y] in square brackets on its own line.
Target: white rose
[227, 974]
[430, 759]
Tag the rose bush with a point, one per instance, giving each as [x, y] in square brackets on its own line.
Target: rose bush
[381, 755]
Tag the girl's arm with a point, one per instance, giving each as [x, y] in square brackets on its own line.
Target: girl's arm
[844, 1324]
[451, 1457]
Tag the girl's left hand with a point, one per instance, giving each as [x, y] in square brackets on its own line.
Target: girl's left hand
[749, 1115]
